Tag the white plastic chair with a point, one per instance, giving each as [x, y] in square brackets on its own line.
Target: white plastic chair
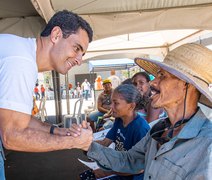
[76, 116]
[42, 113]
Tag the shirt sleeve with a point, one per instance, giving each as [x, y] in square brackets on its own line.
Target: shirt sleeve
[18, 76]
[131, 161]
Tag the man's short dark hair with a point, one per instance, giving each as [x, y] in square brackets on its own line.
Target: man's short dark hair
[69, 23]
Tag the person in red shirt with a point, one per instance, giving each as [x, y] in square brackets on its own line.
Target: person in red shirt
[37, 94]
[42, 89]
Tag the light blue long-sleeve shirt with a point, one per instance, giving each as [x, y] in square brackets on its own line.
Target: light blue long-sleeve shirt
[186, 156]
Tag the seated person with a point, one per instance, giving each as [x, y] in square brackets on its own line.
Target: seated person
[103, 103]
[180, 146]
[129, 127]
[141, 81]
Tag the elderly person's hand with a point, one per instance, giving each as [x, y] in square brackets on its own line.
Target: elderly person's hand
[75, 129]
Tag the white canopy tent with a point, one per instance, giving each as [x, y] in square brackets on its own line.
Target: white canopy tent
[188, 19]
[107, 65]
[182, 20]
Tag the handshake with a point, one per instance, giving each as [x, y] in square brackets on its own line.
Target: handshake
[83, 135]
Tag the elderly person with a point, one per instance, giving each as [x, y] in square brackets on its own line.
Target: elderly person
[180, 146]
[103, 103]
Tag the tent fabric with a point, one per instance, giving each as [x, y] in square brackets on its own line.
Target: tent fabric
[107, 65]
[109, 17]
[113, 17]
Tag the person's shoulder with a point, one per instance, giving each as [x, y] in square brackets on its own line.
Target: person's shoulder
[102, 94]
[11, 38]
[141, 122]
[12, 45]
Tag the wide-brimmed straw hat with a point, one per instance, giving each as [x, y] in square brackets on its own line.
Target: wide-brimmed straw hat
[191, 63]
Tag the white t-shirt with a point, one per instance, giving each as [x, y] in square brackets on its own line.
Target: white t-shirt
[115, 81]
[86, 85]
[18, 72]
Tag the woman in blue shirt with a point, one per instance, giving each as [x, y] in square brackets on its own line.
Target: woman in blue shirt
[129, 126]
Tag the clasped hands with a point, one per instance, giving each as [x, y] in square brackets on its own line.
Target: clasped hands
[83, 134]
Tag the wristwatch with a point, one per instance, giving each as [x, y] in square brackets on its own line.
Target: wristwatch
[52, 129]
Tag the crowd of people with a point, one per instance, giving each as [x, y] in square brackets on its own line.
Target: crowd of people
[159, 130]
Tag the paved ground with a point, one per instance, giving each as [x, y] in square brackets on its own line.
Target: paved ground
[58, 165]
[50, 105]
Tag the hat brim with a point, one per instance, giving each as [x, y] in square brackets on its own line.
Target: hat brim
[152, 67]
[106, 83]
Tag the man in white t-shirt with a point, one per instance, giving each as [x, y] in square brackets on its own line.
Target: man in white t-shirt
[86, 88]
[60, 47]
[115, 80]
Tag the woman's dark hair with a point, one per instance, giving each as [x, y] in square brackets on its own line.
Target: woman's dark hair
[127, 81]
[69, 23]
[130, 94]
[144, 74]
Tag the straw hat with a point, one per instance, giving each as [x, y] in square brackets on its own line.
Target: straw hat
[191, 63]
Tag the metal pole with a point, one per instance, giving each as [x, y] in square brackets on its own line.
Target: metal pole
[57, 96]
[67, 94]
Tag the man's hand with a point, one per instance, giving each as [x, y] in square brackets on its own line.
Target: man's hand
[74, 130]
[85, 139]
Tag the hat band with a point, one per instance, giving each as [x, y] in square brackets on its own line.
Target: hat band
[201, 79]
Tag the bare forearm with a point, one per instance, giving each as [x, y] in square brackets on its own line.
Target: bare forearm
[31, 140]
[21, 132]
[38, 125]
[45, 127]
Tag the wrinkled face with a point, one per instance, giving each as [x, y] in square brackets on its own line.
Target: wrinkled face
[142, 85]
[119, 106]
[107, 87]
[167, 90]
[67, 53]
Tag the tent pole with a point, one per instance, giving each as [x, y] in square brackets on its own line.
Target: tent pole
[57, 96]
[67, 93]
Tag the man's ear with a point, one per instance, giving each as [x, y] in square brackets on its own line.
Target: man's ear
[56, 34]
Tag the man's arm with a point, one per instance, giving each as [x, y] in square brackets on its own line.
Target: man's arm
[131, 161]
[20, 132]
[43, 126]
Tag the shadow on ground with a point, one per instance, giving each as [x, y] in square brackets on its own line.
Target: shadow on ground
[57, 165]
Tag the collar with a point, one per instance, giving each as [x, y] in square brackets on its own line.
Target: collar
[193, 127]
[190, 130]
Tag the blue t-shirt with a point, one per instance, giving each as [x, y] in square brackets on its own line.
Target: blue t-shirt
[126, 137]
